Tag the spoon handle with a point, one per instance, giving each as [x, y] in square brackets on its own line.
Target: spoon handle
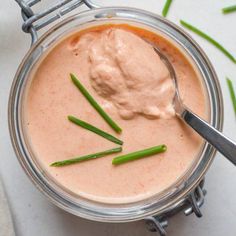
[213, 136]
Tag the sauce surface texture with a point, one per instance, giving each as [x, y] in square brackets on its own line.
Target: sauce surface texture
[126, 77]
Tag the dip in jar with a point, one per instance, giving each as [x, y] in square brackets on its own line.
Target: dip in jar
[127, 78]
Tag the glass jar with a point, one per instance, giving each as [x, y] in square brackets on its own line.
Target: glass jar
[162, 203]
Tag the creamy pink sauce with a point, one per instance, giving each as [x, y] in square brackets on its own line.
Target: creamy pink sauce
[126, 70]
[128, 79]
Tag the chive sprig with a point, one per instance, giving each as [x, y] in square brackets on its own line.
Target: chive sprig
[96, 106]
[166, 7]
[230, 9]
[209, 39]
[139, 154]
[94, 129]
[86, 158]
[232, 93]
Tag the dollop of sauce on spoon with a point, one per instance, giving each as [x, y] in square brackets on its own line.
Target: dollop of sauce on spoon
[125, 70]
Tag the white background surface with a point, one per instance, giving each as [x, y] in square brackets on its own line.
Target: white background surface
[34, 215]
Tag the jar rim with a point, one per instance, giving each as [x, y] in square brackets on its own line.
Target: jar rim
[83, 208]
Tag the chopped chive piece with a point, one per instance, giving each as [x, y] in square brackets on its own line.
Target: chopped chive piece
[230, 9]
[139, 154]
[166, 7]
[209, 39]
[85, 158]
[96, 106]
[94, 129]
[232, 93]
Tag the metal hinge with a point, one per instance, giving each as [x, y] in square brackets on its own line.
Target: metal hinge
[191, 205]
[156, 224]
[36, 21]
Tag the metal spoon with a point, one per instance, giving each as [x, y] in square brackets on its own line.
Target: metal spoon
[223, 144]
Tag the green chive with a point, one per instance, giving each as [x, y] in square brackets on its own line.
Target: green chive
[232, 93]
[229, 9]
[85, 158]
[166, 8]
[94, 129]
[209, 39]
[96, 106]
[139, 154]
